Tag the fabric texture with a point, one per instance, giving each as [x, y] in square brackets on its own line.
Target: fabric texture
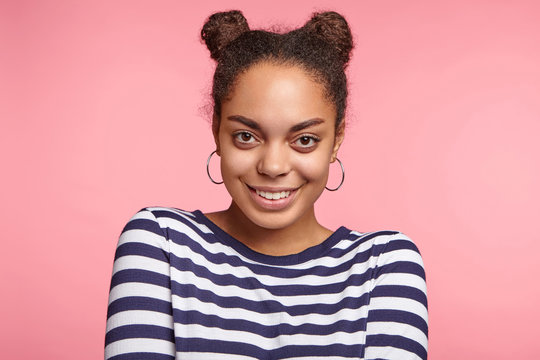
[184, 289]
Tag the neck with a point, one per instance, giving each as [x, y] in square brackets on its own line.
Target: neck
[302, 234]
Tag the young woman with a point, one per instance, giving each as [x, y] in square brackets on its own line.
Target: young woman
[263, 279]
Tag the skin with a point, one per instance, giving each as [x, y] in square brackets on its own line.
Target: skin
[260, 148]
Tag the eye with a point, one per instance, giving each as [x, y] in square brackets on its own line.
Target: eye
[306, 142]
[244, 138]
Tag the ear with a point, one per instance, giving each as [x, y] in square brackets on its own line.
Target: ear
[215, 132]
[340, 134]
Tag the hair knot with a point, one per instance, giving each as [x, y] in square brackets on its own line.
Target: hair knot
[332, 28]
[221, 29]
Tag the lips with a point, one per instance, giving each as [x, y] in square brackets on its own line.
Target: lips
[272, 198]
[273, 195]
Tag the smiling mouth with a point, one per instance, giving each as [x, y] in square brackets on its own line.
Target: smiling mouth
[273, 198]
[273, 195]
[270, 193]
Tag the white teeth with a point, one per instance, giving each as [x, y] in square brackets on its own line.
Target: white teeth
[273, 196]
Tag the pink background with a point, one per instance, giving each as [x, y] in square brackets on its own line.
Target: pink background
[105, 111]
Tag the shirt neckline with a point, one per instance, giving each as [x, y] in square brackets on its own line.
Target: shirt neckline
[313, 252]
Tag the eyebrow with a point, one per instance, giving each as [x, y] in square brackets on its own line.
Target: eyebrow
[305, 124]
[253, 124]
[244, 120]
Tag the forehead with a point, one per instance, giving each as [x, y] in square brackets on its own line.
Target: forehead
[268, 92]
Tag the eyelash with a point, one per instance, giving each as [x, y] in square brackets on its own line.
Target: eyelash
[312, 138]
[237, 137]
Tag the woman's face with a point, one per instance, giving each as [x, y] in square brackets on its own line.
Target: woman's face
[276, 140]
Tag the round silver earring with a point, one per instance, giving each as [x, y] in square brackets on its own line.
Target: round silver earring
[342, 176]
[208, 170]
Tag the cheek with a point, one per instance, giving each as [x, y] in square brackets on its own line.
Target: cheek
[314, 168]
[236, 163]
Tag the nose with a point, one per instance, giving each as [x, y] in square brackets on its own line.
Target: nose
[274, 161]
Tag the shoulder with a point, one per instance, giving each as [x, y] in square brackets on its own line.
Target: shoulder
[398, 270]
[384, 242]
[395, 247]
[167, 222]
[388, 251]
[158, 218]
[150, 225]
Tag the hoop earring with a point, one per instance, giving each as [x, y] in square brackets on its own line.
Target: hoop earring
[342, 176]
[208, 170]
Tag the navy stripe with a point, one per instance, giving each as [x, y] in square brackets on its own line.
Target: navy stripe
[140, 276]
[219, 347]
[251, 283]
[196, 317]
[352, 351]
[404, 317]
[239, 348]
[144, 224]
[141, 249]
[401, 267]
[142, 356]
[139, 331]
[268, 306]
[398, 342]
[139, 303]
[400, 244]
[400, 291]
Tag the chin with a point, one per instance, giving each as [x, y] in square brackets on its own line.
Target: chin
[272, 221]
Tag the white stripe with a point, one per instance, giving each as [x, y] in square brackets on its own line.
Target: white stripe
[144, 237]
[186, 214]
[127, 346]
[187, 277]
[400, 329]
[397, 303]
[211, 356]
[146, 317]
[139, 289]
[182, 227]
[218, 248]
[267, 319]
[402, 279]
[143, 214]
[400, 255]
[214, 333]
[242, 272]
[138, 262]
[318, 357]
[387, 352]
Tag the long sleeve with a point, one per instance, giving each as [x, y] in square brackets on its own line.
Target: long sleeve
[397, 323]
[139, 315]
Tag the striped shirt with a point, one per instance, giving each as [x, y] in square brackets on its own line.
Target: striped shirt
[182, 288]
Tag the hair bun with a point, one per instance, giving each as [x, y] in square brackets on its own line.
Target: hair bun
[221, 28]
[334, 29]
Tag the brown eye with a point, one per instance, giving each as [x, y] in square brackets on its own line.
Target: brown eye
[306, 142]
[244, 138]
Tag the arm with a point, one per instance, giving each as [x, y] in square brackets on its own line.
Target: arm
[397, 323]
[139, 315]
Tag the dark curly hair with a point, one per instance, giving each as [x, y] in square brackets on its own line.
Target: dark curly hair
[321, 48]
